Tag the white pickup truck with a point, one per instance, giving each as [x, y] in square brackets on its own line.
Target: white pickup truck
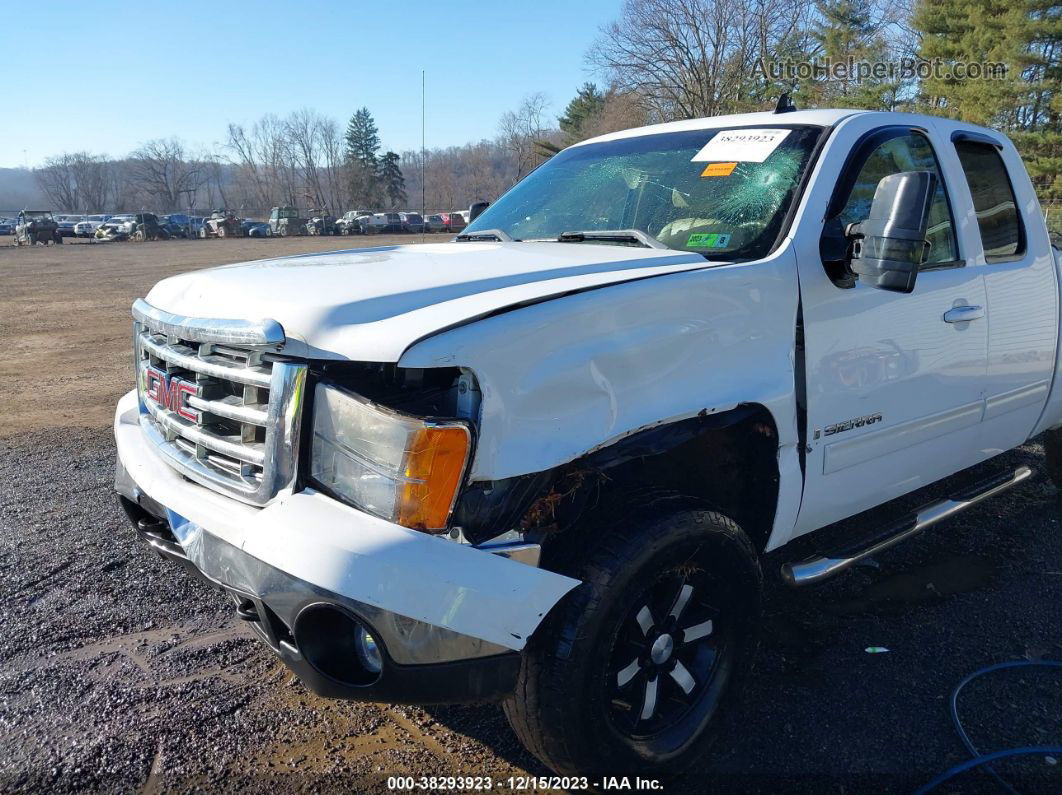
[543, 463]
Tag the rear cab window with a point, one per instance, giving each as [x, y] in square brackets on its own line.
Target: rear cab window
[998, 220]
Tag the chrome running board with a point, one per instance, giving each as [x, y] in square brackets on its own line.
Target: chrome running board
[820, 567]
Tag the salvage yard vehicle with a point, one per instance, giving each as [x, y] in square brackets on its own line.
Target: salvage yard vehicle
[435, 223]
[543, 463]
[285, 222]
[88, 225]
[221, 223]
[412, 222]
[146, 226]
[66, 224]
[255, 228]
[321, 223]
[117, 227]
[352, 222]
[36, 226]
[455, 222]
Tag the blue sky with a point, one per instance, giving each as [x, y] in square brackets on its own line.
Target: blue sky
[73, 83]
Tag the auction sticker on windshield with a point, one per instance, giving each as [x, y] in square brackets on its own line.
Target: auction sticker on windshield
[742, 146]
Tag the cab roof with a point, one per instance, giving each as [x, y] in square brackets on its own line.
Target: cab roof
[820, 118]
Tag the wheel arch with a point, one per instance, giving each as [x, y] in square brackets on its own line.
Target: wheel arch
[726, 461]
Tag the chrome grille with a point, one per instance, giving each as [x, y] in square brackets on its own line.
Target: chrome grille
[218, 400]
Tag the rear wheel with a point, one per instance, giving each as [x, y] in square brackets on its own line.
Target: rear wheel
[631, 672]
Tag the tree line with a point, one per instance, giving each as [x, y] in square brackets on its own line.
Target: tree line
[659, 60]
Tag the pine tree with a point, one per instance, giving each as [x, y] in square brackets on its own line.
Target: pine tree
[1039, 109]
[389, 177]
[971, 32]
[362, 144]
[845, 33]
[587, 103]
[363, 138]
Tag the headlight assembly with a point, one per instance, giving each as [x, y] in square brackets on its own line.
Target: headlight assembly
[400, 468]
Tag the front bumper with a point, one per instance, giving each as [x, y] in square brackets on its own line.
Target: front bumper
[447, 616]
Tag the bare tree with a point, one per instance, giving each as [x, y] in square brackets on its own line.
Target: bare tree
[75, 182]
[694, 58]
[57, 179]
[92, 173]
[163, 171]
[519, 130]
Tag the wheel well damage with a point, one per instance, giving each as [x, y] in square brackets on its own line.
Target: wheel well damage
[727, 461]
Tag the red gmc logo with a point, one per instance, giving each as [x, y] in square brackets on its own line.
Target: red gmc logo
[170, 392]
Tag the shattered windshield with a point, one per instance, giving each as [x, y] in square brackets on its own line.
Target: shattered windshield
[721, 193]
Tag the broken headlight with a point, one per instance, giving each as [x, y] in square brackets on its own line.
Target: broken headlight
[396, 466]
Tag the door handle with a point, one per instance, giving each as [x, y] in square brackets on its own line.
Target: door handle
[962, 314]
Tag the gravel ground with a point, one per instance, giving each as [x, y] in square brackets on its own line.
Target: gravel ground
[119, 673]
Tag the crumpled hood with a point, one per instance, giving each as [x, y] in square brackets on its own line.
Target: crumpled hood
[371, 304]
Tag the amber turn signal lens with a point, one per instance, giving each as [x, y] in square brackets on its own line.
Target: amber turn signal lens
[434, 465]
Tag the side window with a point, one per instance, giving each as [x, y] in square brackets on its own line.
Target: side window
[1002, 235]
[908, 152]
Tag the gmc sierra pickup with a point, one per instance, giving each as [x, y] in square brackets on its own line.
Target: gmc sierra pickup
[543, 463]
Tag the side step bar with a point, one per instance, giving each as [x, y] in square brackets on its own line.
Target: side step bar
[820, 567]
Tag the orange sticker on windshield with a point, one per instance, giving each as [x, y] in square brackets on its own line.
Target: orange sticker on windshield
[719, 170]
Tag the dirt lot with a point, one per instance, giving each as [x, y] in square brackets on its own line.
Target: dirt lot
[59, 301]
[118, 673]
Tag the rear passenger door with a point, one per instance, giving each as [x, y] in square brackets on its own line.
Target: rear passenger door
[1022, 297]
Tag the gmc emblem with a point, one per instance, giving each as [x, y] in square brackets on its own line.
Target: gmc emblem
[170, 392]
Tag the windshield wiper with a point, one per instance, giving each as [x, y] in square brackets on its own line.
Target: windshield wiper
[621, 236]
[485, 234]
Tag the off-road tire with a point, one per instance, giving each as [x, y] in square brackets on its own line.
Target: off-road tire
[561, 705]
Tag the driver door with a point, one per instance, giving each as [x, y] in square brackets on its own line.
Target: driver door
[894, 381]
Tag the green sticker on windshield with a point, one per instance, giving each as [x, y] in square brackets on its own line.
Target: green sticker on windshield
[704, 240]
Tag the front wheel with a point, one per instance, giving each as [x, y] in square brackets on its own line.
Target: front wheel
[631, 672]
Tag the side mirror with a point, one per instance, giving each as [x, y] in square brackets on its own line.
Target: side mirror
[889, 246]
[476, 210]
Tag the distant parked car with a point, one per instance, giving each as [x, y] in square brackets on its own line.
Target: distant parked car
[88, 225]
[378, 223]
[36, 226]
[221, 223]
[117, 227]
[321, 222]
[352, 222]
[256, 228]
[437, 223]
[392, 222]
[455, 222]
[7, 227]
[285, 222]
[176, 226]
[66, 224]
[181, 225]
[412, 222]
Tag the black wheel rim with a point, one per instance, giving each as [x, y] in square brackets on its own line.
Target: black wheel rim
[670, 661]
